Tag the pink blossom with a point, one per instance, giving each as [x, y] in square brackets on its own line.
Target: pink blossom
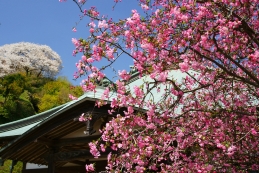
[90, 60]
[72, 97]
[114, 103]
[92, 24]
[138, 91]
[84, 58]
[253, 131]
[74, 30]
[162, 76]
[119, 145]
[151, 126]
[219, 145]
[89, 168]
[231, 150]
[130, 109]
[109, 53]
[82, 118]
[76, 42]
[91, 30]
[195, 104]
[106, 93]
[93, 149]
[124, 75]
[144, 6]
[82, 1]
[102, 24]
[102, 147]
[184, 66]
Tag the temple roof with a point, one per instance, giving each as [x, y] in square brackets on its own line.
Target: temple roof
[32, 138]
[20, 126]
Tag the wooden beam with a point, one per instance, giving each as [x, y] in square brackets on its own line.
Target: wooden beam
[6, 140]
[77, 169]
[71, 155]
[76, 140]
[51, 160]
[78, 162]
[44, 141]
[68, 156]
[66, 141]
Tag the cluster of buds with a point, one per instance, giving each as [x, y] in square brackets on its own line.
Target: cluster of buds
[85, 117]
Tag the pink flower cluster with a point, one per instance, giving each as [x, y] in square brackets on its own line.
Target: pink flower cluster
[89, 168]
[196, 110]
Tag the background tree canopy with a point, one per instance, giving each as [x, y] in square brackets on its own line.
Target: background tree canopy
[55, 93]
[24, 95]
[27, 81]
[29, 57]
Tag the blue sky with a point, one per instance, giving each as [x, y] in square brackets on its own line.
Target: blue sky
[50, 22]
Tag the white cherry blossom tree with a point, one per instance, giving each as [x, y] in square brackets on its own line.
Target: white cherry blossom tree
[30, 57]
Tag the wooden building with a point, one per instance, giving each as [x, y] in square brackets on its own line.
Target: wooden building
[55, 141]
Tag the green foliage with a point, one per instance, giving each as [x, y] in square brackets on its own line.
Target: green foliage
[12, 85]
[6, 167]
[23, 95]
[56, 93]
[16, 109]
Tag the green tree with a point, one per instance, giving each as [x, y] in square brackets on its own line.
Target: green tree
[23, 95]
[12, 86]
[30, 58]
[13, 104]
[6, 167]
[56, 92]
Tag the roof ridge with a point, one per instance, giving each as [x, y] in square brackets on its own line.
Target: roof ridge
[29, 120]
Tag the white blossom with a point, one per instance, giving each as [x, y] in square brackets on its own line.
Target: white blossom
[33, 58]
